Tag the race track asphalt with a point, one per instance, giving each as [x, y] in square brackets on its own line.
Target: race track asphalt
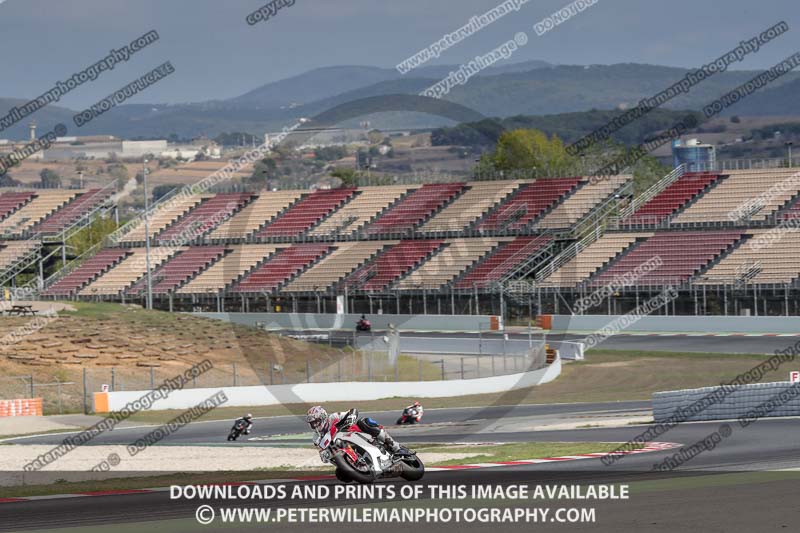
[728, 488]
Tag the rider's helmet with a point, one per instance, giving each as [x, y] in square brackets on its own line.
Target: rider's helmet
[416, 404]
[317, 418]
[248, 417]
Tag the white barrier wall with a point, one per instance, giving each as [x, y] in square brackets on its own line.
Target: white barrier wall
[749, 402]
[700, 324]
[313, 321]
[333, 392]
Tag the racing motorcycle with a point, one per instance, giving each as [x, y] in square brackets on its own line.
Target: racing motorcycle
[410, 416]
[238, 428]
[359, 458]
[363, 325]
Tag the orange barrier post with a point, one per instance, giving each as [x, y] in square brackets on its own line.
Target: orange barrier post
[100, 402]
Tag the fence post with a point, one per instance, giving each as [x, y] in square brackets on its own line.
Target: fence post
[493, 370]
[339, 370]
[152, 378]
[462, 368]
[442, 361]
[234, 374]
[271, 374]
[113, 379]
[478, 364]
[32, 392]
[308, 371]
[58, 389]
[85, 405]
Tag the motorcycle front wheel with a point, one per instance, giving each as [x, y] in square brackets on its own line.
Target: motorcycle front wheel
[413, 469]
[342, 462]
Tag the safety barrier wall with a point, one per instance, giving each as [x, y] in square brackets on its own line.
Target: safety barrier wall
[348, 321]
[25, 407]
[704, 324]
[749, 401]
[469, 346]
[332, 392]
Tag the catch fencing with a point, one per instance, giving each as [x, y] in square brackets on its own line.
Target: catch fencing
[345, 364]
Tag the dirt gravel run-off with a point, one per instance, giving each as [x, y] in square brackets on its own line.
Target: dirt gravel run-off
[157, 460]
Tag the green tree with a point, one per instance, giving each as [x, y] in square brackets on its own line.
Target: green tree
[264, 171]
[527, 148]
[92, 234]
[119, 172]
[348, 176]
[50, 179]
[160, 191]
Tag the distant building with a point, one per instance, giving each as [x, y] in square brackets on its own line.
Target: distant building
[100, 147]
[694, 154]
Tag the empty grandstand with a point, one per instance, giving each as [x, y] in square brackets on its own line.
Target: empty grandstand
[466, 245]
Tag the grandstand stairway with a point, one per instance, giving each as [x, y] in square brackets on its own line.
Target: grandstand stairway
[204, 217]
[392, 264]
[684, 254]
[528, 204]
[18, 256]
[345, 259]
[675, 198]
[80, 207]
[281, 268]
[87, 272]
[265, 209]
[455, 257]
[306, 213]
[179, 269]
[415, 209]
[496, 266]
[791, 211]
[11, 202]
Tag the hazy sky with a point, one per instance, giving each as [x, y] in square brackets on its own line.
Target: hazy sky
[217, 55]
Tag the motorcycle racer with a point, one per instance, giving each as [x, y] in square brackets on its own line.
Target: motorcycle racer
[248, 421]
[321, 423]
[418, 408]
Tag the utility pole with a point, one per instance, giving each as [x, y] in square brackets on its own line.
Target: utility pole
[147, 238]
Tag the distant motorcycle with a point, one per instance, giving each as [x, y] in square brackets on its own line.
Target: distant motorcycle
[411, 415]
[238, 428]
[363, 325]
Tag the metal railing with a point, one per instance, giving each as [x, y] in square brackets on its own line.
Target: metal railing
[85, 219]
[745, 164]
[530, 254]
[117, 235]
[569, 253]
[650, 193]
[20, 264]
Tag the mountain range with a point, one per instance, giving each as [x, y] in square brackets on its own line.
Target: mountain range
[527, 88]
